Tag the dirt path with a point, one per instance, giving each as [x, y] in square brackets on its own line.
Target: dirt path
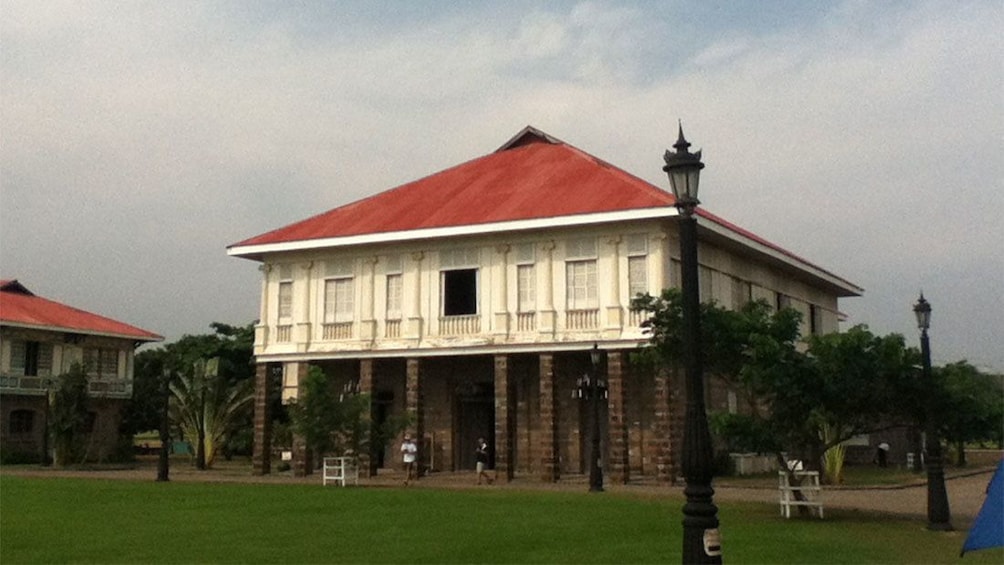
[965, 497]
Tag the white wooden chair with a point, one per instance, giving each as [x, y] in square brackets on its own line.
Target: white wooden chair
[810, 488]
[340, 470]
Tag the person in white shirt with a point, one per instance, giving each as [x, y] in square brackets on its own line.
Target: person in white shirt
[408, 454]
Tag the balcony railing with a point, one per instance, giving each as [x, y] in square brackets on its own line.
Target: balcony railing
[636, 317]
[37, 386]
[526, 321]
[460, 325]
[340, 330]
[582, 319]
[392, 329]
[284, 334]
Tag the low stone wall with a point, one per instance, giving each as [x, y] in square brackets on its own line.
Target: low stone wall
[983, 457]
[752, 463]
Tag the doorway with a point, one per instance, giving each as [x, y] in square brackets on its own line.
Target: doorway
[475, 418]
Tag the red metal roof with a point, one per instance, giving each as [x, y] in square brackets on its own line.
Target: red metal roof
[20, 307]
[531, 177]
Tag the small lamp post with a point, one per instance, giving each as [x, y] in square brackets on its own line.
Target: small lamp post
[938, 515]
[701, 539]
[590, 387]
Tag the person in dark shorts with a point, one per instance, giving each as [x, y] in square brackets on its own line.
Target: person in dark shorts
[481, 456]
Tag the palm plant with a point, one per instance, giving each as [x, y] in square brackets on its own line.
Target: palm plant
[206, 407]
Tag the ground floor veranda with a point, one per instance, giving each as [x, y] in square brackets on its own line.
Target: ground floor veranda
[523, 404]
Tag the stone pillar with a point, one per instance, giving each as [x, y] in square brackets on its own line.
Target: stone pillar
[261, 454]
[415, 406]
[503, 421]
[660, 444]
[549, 464]
[616, 419]
[367, 463]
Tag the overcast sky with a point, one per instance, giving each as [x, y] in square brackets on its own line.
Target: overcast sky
[139, 139]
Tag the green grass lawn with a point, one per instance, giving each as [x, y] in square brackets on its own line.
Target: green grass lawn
[54, 520]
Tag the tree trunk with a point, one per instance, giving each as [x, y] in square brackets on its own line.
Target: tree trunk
[200, 450]
[794, 481]
[961, 457]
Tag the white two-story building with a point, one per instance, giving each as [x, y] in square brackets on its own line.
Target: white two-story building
[472, 297]
[41, 339]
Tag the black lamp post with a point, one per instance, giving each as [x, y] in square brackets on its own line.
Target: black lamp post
[938, 516]
[163, 455]
[590, 387]
[701, 539]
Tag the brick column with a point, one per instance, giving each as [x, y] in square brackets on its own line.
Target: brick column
[415, 406]
[261, 454]
[616, 424]
[503, 421]
[367, 463]
[660, 444]
[550, 468]
[302, 460]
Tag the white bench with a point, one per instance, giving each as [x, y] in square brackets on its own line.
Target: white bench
[811, 490]
[340, 470]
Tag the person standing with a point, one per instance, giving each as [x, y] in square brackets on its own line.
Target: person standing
[409, 452]
[481, 456]
[882, 455]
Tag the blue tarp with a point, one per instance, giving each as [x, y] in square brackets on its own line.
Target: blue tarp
[988, 529]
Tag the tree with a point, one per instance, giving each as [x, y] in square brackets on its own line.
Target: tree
[800, 402]
[68, 415]
[232, 345]
[968, 405]
[333, 423]
[315, 414]
[142, 412]
[207, 407]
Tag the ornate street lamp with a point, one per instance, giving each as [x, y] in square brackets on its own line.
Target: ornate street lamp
[701, 539]
[350, 389]
[590, 387]
[938, 515]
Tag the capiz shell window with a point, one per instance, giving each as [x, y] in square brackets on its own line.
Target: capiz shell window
[581, 283]
[103, 362]
[338, 300]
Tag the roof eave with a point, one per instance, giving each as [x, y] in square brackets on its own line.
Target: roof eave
[257, 252]
[843, 287]
[66, 329]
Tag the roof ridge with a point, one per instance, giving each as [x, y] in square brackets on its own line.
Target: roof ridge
[518, 139]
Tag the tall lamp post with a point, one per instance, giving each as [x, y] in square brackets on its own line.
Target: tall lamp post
[164, 453]
[701, 539]
[591, 388]
[938, 516]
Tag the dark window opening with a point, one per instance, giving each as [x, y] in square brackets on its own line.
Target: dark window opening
[460, 292]
[22, 421]
[89, 423]
[815, 319]
[31, 358]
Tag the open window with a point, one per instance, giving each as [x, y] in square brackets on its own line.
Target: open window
[460, 292]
